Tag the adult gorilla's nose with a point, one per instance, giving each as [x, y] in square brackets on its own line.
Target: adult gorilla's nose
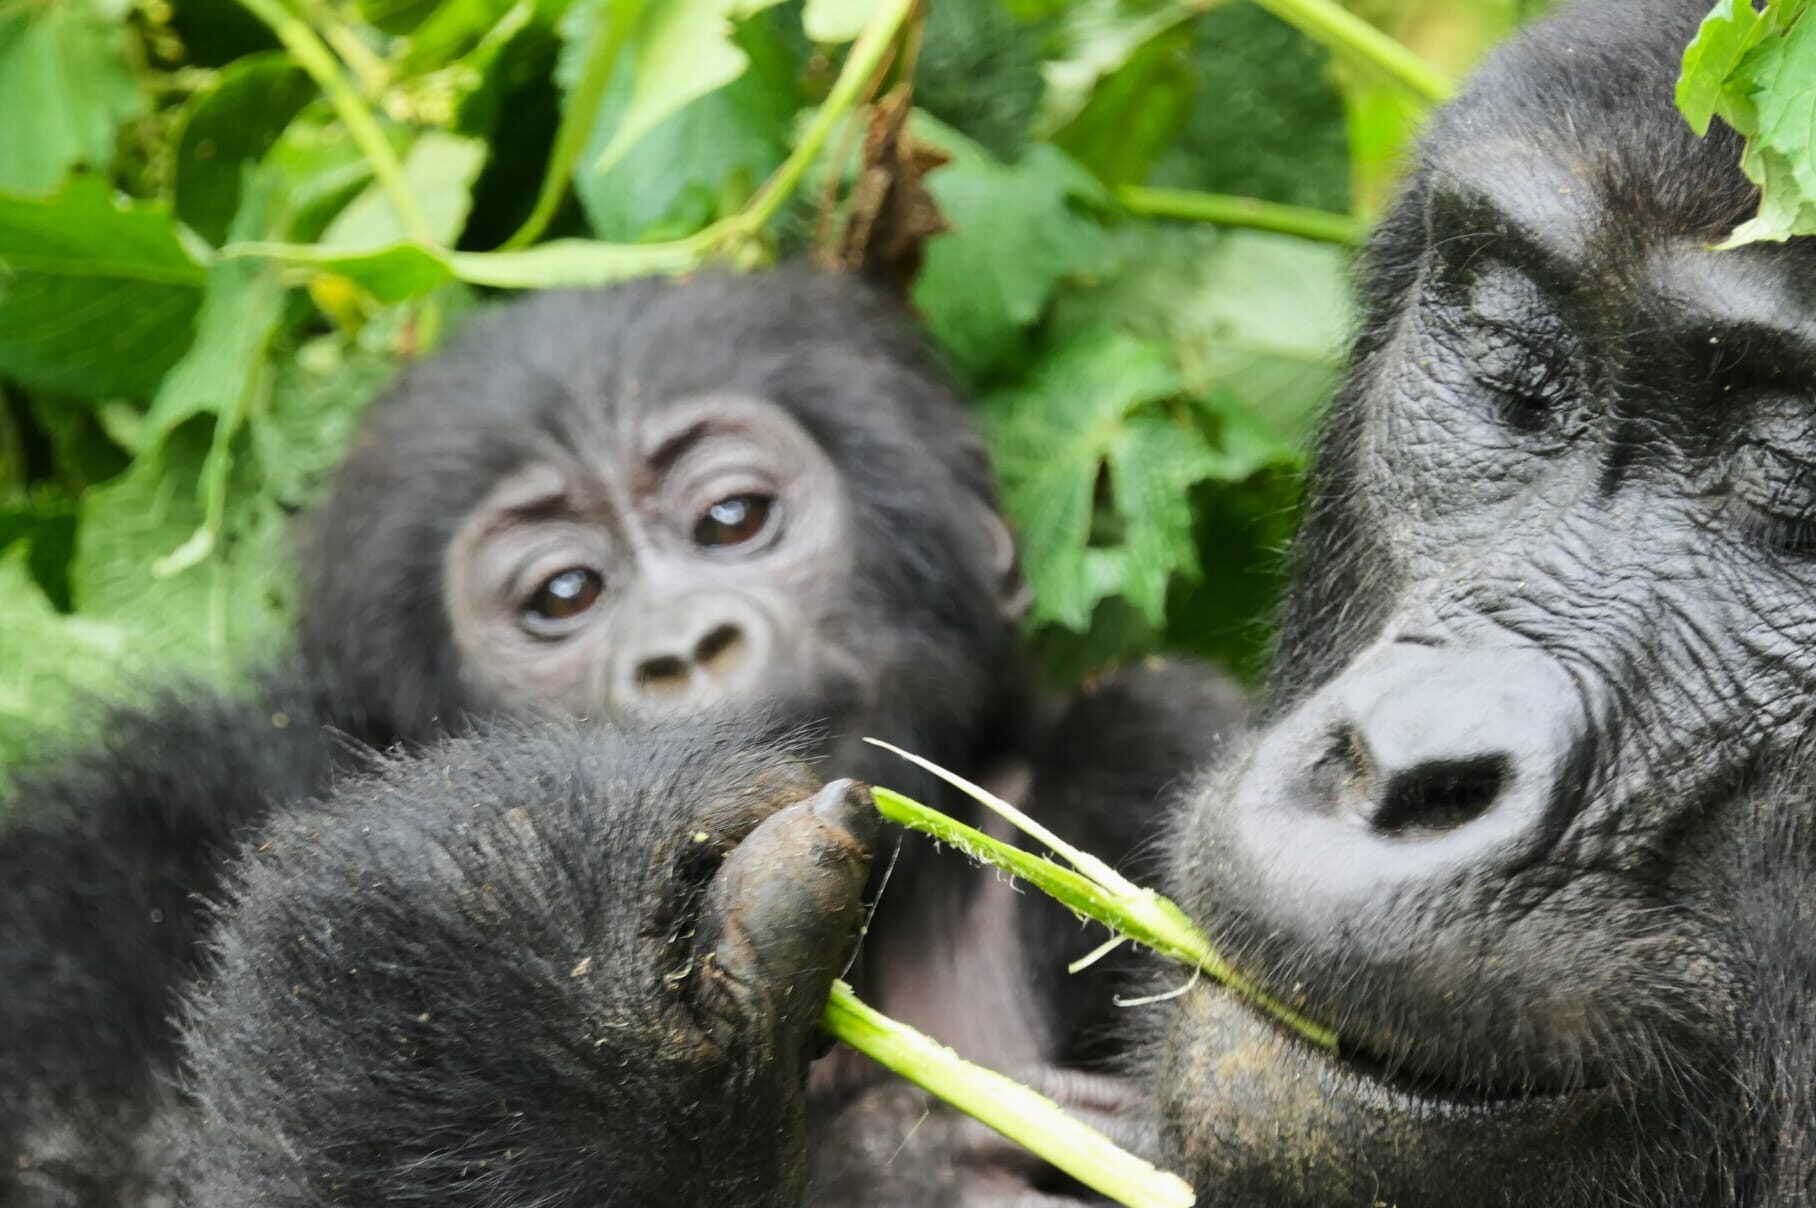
[1416, 764]
[694, 651]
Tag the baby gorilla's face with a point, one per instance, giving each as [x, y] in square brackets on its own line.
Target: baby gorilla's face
[673, 558]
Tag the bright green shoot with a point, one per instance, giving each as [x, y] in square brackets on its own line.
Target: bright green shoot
[1090, 887]
[1026, 1117]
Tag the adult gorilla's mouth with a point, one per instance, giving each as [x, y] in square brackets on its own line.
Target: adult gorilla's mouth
[1262, 1116]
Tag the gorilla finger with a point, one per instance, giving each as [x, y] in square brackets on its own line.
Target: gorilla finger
[781, 914]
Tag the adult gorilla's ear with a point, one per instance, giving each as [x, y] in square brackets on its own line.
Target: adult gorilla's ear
[1012, 593]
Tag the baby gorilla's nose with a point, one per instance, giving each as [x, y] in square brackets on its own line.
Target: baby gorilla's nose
[693, 653]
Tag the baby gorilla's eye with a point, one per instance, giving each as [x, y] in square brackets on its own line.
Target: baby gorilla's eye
[734, 520]
[565, 594]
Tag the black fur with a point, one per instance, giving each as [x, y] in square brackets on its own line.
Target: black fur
[111, 847]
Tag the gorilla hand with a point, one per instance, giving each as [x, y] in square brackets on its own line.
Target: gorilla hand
[530, 969]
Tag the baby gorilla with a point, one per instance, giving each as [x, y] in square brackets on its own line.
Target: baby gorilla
[753, 500]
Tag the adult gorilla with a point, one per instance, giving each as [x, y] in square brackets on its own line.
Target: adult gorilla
[1525, 821]
[745, 499]
[1527, 824]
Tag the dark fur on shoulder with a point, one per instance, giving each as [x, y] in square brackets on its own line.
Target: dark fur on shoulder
[98, 864]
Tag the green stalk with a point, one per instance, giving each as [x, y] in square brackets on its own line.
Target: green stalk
[1026, 1117]
[1251, 212]
[860, 65]
[1328, 23]
[315, 58]
[616, 20]
[1090, 887]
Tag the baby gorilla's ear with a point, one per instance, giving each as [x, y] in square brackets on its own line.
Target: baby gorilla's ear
[1013, 595]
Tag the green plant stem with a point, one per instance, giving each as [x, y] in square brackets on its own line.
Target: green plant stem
[617, 18]
[1251, 212]
[860, 65]
[1330, 24]
[313, 55]
[1026, 1117]
[1090, 887]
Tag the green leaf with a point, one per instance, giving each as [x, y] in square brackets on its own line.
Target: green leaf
[1016, 233]
[440, 169]
[239, 315]
[208, 615]
[1092, 407]
[1097, 39]
[1136, 113]
[65, 86]
[674, 180]
[46, 658]
[406, 270]
[1727, 34]
[227, 127]
[1756, 69]
[311, 412]
[1256, 322]
[681, 50]
[836, 20]
[96, 299]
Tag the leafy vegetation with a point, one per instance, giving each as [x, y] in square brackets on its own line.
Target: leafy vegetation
[224, 223]
[1754, 66]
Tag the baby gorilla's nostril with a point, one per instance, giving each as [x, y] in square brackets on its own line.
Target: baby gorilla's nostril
[720, 650]
[1440, 795]
[662, 674]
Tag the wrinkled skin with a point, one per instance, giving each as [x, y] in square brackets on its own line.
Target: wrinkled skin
[1549, 659]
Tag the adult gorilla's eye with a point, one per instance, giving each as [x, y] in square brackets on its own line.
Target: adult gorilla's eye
[1514, 343]
[1778, 490]
[565, 594]
[734, 520]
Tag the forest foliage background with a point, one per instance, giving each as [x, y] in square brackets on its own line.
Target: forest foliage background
[1127, 224]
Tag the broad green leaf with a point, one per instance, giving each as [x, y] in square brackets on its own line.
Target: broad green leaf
[211, 616]
[1136, 112]
[699, 161]
[310, 413]
[240, 310]
[46, 658]
[1017, 231]
[836, 20]
[398, 16]
[227, 127]
[1756, 69]
[96, 299]
[1727, 34]
[64, 88]
[681, 50]
[1256, 322]
[1097, 39]
[439, 169]
[1098, 404]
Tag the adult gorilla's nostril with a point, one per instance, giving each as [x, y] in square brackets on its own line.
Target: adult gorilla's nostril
[1439, 795]
[721, 651]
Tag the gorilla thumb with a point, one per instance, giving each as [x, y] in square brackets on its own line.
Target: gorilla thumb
[781, 914]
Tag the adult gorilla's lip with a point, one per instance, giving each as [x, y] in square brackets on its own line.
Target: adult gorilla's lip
[1374, 1072]
[1259, 1115]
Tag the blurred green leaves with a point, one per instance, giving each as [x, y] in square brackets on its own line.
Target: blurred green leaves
[64, 87]
[223, 226]
[1755, 68]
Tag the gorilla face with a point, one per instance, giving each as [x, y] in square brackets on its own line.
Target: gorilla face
[737, 495]
[694, 557]
[1556, 612]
